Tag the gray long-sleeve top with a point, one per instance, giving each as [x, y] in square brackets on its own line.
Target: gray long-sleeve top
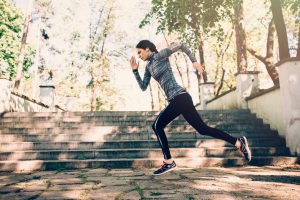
[159, 68]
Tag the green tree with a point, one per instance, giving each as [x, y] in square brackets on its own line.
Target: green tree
[10, 28]
[97, 56]
[23, 49]
[197, 21]
[193, 20]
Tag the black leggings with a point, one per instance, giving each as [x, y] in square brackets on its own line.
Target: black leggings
[183, 104]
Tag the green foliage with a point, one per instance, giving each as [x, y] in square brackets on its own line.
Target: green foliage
[28, 61]
[10, 39]
[192, 19]
[294, 6]
[10, 29]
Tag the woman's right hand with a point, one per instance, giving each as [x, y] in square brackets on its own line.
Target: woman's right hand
[134, 65]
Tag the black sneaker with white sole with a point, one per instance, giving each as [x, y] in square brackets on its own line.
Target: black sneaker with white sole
[165, 167]
[244, 149]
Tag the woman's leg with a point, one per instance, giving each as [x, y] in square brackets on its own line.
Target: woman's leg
[191, 115]
[162, 120]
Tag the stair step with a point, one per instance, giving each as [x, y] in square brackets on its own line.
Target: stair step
[120, 113]
[137, 153]
[237, 119]
[130, 129]
[125, 139]
[220, 124]
[119, 136]
[92, 129]
[32, 165]
[15, 146]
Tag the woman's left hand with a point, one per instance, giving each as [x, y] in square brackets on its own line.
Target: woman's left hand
[198, 67]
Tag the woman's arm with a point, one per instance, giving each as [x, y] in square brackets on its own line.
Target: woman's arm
[146, 80]
[175, 46]
[147, 76]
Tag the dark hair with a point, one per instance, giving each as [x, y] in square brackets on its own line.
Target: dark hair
[144, 44]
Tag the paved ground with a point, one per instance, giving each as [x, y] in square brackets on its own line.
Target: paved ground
[206, 183]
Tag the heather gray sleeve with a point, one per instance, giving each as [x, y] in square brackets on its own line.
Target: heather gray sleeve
[145, 82]
[175, 47]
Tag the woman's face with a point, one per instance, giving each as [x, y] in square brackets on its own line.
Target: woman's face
[143, 53]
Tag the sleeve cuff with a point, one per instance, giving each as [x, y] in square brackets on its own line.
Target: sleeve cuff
[134, 70]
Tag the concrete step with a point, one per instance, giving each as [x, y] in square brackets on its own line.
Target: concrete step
[61, 130]
[128, 129]
[32, 165]
[118, 113]
[216, 118]
[111, 131]
[119, 136]
[221, 124]
[137, 153]
[22, 146]
[115, 130]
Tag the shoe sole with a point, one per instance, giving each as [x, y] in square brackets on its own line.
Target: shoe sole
[248, 149]
[166, 171]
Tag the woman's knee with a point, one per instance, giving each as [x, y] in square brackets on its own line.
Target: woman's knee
[156, 127]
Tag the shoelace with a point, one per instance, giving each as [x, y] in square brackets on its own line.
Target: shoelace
[163, 165]
[243, 147]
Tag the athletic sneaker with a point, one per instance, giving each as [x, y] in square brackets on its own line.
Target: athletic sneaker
[244, 149]
[165, 168]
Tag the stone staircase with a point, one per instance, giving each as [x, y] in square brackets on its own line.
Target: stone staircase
[71, 140]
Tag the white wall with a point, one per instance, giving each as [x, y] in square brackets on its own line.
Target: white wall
[268, 107]
[20, 104]
[289, 77]
[228, 101]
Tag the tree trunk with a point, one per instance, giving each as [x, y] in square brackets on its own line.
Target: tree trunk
[221, 83]
[160, 106]
[269, 59]
[187, 73]
[22, 54]
[240, 38]
[202, 62]
[298, 50]
[93, 93]
[221, 55]
[280, 29]
[95, 78]
[199, 83]
[152, 97]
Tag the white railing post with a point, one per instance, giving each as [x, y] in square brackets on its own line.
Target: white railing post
[246, 85]
[47, 95]
[206, 93]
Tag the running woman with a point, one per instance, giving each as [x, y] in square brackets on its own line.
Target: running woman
[180, 102]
